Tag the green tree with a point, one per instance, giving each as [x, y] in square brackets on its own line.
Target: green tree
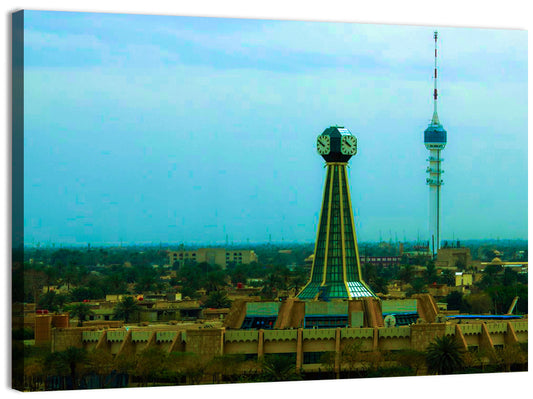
[217, 300]
[479, 303]
[79, 294]
[406, 273]
[279, 368]
[52, 301]
[350, 357]
[299, 278]
[151, 365]
[81, 311]
[51, 277]
[100, 362]
[145, 279]
[68, 362]
[418, 285]
[415, 360]
[70, 275]
[508, 356]
[376, 282]
[447, 277]
[114, 284]
[431, 273]
[456, 301]
[125, 309]
[272, 285]
[188, 365]
[444, 356]
[238, 273]
[215, 280]
[229, 366]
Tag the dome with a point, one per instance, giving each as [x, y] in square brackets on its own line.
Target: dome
[496, 261]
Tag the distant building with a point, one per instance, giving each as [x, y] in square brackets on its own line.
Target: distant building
[464, 279]
[385, 261]
[519, 267]
[453, 258]
[214, 256]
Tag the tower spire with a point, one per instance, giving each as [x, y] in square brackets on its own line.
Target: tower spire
[435, 119]
[435, 140]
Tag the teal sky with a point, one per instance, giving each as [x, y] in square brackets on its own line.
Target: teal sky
[177, 129]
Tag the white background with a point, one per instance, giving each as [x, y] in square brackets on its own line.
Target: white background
[473, 13]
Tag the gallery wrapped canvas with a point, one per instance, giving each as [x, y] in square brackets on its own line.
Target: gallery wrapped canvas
[201, 200]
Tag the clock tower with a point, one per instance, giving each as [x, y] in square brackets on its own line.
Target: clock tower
[336, 268]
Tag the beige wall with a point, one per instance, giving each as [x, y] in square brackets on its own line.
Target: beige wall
[218, 256]
[211, 342]
[463, 279]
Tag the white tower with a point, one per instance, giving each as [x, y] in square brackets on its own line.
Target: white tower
[435, 141]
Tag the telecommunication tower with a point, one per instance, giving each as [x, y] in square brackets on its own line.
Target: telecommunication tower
[336, 268]
[435, 141]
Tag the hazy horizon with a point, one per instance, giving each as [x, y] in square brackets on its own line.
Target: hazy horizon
[195, 130]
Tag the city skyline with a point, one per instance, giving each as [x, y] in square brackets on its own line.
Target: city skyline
[181, 129]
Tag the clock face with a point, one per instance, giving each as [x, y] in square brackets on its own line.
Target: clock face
[323, 145]
[349, 145]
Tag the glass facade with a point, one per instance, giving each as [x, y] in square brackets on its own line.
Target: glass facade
[435, 134]
[326, 321]
[335, 273]
[259, 322]
[404, 319]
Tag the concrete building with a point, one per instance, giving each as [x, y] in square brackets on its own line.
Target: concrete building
[298, 333]
[213, 256]
[454, 258]
[384, 261]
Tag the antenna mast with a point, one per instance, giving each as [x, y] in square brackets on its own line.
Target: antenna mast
[435, 93]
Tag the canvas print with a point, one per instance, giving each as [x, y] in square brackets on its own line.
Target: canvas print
[220, 200]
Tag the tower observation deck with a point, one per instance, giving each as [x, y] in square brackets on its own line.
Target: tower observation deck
[435, 139]
[336, 268]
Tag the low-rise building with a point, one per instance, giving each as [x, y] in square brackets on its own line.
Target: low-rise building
[453, 258]
[213, 256]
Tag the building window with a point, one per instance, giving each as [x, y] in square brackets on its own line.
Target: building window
[313, 357]
[326, 321]
[287, 355]
[259, 322]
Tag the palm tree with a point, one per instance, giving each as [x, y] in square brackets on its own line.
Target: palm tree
[215, 280]
[217, 300]
[52, 301]
[50, 277]
[444, 356]
[81, 311]
[279, 368]
[125, 309]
